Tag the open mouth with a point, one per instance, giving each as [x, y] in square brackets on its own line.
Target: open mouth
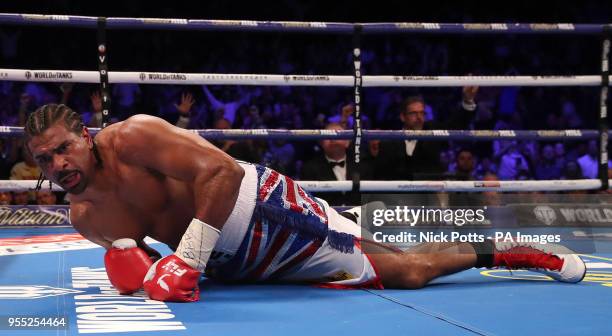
[70, 180]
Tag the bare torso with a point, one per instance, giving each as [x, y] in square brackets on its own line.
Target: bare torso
[131, 201]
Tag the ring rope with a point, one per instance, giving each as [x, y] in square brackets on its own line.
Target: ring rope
[78, 76]
[400, 186]
[302, 26]
[314, 134]
[439, 186]
[350, 81]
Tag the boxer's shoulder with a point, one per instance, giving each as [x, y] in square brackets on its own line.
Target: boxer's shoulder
[139, 123]
[140, 136]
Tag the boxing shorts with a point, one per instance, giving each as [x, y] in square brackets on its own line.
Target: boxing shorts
[278, 232]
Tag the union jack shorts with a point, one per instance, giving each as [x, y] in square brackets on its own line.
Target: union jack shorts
[295, 237]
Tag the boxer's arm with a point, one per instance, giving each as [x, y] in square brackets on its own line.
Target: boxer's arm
[215, 177]
[79, 219]
[154, 144]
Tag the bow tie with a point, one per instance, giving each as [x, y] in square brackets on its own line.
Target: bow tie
[336, 163]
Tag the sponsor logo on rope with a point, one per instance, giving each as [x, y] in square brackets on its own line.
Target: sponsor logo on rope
[549, 133]
[545, 214]
[552, 26]
[485, 26]
[48, 75]
[415, 78]
[4, 74]
[487, 184]
[162, 76]
[416, 25]
[232, 23]
[288, 24]
[577, 133]
[419, 186]
[5, 129]
[507, 133]
[217, 77]
[305, 78]
[552, 133]
[318, 185]
[45, 17]
[569, 77]
[165, 21]
[486, 133]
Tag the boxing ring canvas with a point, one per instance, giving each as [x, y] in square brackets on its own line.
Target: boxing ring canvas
[52, 272]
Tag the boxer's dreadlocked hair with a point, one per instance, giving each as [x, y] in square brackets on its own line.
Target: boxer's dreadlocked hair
[45, 117]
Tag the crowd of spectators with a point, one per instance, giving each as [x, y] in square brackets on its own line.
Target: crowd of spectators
[251, 107]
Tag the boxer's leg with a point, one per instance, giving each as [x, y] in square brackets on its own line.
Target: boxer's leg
[415, 268]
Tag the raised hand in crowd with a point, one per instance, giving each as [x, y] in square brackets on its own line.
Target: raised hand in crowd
[184, 107]
[96, 101]
[347, 112]
[96, 104]
[25, 100]
[469, 94]
[66, 89]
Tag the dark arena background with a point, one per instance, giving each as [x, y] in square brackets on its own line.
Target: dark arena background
[512, 119]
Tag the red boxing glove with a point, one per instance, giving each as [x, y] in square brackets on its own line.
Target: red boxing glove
[126, 265]
[171, 279]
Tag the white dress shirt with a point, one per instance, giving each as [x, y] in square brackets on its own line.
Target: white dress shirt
[410, 145]
[339, 171]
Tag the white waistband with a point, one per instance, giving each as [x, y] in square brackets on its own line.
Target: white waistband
[235, 228]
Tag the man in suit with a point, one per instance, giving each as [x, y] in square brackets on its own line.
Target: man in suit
[417, 159]
[334, 165]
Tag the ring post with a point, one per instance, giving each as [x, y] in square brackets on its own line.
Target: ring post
[357, 86]
[103, 69]
[603, 109]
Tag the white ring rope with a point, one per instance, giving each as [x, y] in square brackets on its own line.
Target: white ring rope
[292, 80]
[396, 186]
[21, 185]
[474, 186]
